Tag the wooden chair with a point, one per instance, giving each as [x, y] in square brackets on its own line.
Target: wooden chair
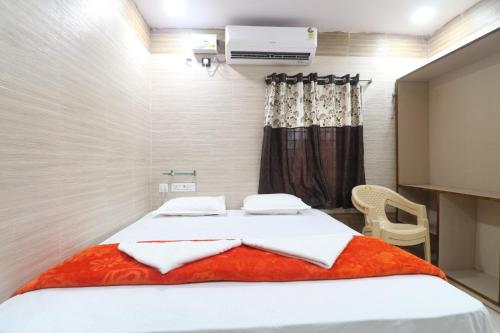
[371, 201]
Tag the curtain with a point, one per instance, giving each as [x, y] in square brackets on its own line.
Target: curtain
[313, 138]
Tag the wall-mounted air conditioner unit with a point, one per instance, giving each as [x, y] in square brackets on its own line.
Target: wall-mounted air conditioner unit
[270, 45]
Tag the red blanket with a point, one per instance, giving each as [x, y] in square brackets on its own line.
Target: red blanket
[105, 265]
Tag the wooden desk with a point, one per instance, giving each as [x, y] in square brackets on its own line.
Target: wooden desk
[454, 215]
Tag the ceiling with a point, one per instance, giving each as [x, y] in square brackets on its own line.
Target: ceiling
[383, 16]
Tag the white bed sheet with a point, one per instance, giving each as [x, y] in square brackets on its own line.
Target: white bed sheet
[409, 303]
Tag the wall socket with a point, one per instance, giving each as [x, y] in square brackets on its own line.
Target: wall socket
[183, 187]
[163, 188]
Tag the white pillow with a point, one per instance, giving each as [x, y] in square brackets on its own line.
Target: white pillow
[194, 206]
[277, 203]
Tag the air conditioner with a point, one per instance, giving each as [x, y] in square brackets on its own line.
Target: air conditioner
[270, 45]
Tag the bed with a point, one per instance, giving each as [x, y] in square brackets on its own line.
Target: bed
[406, 303]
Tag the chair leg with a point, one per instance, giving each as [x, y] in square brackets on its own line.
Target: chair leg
[427, 249]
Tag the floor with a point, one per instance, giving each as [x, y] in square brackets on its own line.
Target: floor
[494, 315]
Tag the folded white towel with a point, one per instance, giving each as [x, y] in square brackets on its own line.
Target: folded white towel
[167, 256]
[321, 250]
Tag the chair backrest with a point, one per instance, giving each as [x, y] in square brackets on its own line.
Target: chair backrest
[374, 196]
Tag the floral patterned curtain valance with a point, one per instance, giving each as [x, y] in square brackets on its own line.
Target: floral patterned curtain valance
[313, 138]
[301, 101]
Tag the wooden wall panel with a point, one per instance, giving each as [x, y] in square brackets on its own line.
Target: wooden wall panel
[74, 131]
[413, 132]
[213, 121]
[377, 45]
[474, 22]
[457, 231]
[487, 254]
[463, 109]
[136, 22]
[463, 119]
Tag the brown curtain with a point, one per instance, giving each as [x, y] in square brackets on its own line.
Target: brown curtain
[313, 138]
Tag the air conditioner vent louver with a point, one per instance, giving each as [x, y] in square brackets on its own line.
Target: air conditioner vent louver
[270, 55]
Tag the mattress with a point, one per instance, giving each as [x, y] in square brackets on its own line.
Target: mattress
[407, 303]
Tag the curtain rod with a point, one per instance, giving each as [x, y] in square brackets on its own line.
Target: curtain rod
[370, 80]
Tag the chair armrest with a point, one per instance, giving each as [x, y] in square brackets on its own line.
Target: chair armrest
[412, 208]
[361, 206]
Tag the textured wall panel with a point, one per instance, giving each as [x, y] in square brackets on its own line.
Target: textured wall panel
[329, 43]
[477, 20]
[74, 130]
[213, 122]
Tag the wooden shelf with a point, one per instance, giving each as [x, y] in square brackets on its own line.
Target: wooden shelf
[431, 149]
[486, 195]
[482, 284]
